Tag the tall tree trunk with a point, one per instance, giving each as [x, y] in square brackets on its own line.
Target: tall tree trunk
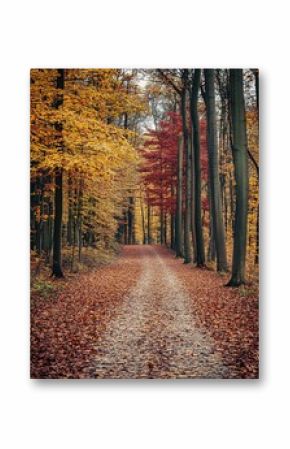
[80, 217]
[38, 216]
[240, 158]
[125, 235]
[56, 258]
[142, 217]
[187, 152]
[178, 231]
[192, 201]
[172, 220]
[258, 210]
[172, 231]
[70, 212]
[130, 222]
[257, 88]
[133, 220]
[161, 232]
[165, 228]
[215, 191]
[211, 252]
[148, 223]
[200, 253]
[257, 237]
[32, 215]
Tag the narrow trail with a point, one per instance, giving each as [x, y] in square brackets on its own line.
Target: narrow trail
[153, 333]
[145, 315]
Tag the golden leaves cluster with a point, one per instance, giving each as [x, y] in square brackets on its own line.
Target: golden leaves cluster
[84, 136]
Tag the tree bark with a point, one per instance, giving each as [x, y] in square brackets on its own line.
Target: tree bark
[187, 152]
[200, 253]
[178, 231]
[240, 158]
[149, 237]
[56, 258]
[142, 217]
[172, 221]
[215, 191]
[130, 221]
[192, 200]
[161, 231]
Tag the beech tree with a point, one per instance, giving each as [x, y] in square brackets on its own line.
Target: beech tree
[187, 153]
[215, 191]
[179, 227]
[196, 160]
[240, 158]
[56, 260]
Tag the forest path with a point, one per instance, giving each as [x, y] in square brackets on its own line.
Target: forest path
[144, 315]
[153, 333]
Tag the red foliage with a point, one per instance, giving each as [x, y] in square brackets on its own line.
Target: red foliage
[160, 153]
[160, 162]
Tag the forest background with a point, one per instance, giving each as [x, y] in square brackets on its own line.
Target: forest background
[127, 156]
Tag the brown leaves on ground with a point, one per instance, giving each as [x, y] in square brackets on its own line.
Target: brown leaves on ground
[230, 315]
[64, 327]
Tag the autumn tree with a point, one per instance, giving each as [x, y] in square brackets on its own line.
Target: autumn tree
[215, 191]
[196, 169]
[79, 144]
[240, 157]
[159, 168]
[56, 260]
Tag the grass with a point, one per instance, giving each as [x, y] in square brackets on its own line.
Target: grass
[42, 287]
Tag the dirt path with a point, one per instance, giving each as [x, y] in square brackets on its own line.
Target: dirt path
[153, 333]
[146, 315]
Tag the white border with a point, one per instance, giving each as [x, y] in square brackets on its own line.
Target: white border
[74, 414]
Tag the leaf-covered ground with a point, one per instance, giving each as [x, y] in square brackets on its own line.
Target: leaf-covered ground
[147, 315]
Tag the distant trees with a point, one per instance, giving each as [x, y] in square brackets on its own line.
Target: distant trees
[160, 173]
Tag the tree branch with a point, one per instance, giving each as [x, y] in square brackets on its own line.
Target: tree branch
[169, 81]
[254, 162]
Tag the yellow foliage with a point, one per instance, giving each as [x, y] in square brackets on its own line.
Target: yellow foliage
[92, 148]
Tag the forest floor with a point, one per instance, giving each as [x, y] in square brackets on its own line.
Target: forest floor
[146, 315]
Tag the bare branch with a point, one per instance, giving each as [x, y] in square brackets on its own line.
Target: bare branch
[169, 81]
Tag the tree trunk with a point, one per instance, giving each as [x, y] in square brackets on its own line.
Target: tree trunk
[211, 253]
[165, 228]
[178, 231]
[80, 217]
[142, 217]
[240, 158]
[187, 153]
[172, 220]
[148, 223]
[56, 260]
[200, 253]
[257, 237]
[161, 231]
[215, 191]
[258, 211]
[129, 219]
[125, 235]
[192, 201]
